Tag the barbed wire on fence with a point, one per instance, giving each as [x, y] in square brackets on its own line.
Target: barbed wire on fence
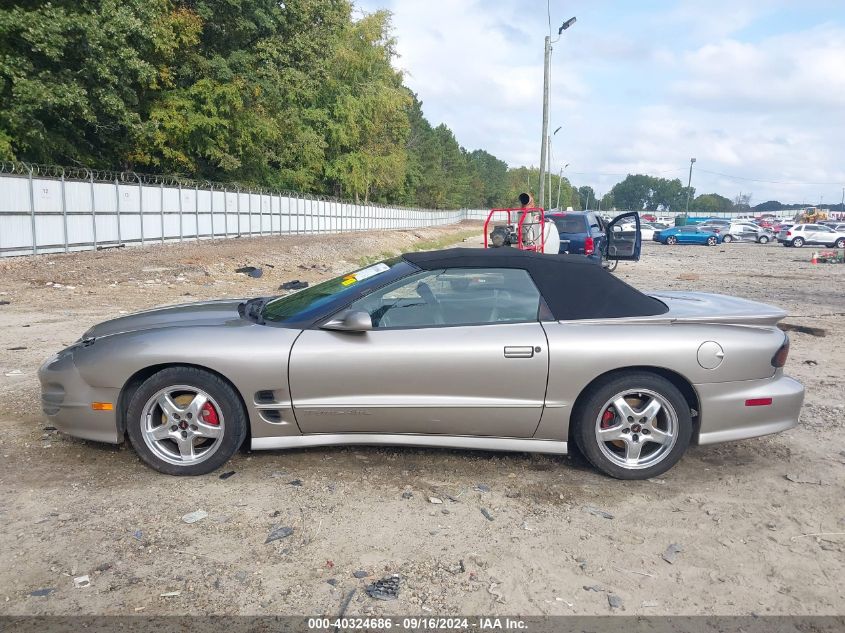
[37, 170]
[51, 208]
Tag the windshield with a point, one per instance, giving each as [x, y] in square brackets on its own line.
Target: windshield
[310, 302]
[570, 223]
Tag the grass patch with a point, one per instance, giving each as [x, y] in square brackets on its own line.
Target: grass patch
[423, 245]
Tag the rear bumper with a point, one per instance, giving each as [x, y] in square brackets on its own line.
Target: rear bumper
[66, 401]
[724, 416]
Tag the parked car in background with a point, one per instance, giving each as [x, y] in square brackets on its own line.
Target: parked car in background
[782, 226]
[747, 232]
[812, 234]
[647, 229]
[581, 233]
[687, 235]
[715, 222]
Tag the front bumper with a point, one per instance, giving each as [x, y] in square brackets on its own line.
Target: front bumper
[724, 416]
[66, 401]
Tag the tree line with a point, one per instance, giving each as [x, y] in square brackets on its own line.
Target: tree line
[297, 95]
[284, 95]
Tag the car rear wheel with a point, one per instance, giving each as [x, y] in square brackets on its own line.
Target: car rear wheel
[634, 425]
[798, 242]
[185, 421]
[728, 239]
[712, 241]
[671, 240]
[840, 243]
[763, 239]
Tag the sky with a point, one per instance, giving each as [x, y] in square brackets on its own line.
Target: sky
[753, 89]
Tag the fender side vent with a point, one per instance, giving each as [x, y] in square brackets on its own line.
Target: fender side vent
[272, 415]
[265, 396]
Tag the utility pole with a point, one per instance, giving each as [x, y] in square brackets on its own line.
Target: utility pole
[689, 184]
[547, 54]
[547, 58]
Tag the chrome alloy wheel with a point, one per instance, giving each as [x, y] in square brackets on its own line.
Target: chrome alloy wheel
[182, 425]
[637, 428]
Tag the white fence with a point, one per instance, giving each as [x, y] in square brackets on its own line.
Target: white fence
[50, 209]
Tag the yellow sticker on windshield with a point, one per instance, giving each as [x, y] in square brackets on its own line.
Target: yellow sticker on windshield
[348, 280]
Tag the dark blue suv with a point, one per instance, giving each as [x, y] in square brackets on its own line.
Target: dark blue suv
[585, 233]
[581, 233]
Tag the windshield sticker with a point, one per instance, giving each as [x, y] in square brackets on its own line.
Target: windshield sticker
[371, 271]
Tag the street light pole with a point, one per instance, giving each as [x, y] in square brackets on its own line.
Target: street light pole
[544, 139]
[689, 184]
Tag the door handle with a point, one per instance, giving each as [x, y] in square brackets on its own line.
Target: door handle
[519, 351]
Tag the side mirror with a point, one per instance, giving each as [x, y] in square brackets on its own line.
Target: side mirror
[359, 321]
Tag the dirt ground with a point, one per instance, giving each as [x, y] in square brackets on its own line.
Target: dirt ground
[760, 523]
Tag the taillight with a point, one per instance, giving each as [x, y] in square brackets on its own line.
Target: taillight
[779, 359]
[788, 233]
[589, 246]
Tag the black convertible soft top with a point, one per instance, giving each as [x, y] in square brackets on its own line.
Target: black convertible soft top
[573, 287]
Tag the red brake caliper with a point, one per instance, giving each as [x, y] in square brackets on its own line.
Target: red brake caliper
[208, 414]
[607, 419]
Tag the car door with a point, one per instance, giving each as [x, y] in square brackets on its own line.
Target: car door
[453, 352]
[823, 235]
[688, 234]
[625, 245]
[749, 232]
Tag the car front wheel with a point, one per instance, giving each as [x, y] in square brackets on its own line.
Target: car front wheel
[798, 242]
[671, 240]
[633, 425]
[728, 239]
[840, 243]
[185, 421]
[712, 241]
[763, 239]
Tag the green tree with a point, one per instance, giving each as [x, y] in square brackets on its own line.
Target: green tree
[490, 185]
[73, 77]
[243, 103]
[641, 192]
[710, 203]
[367, 108]
[587, 197]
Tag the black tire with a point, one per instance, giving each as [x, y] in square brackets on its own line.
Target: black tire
[712, 241]
[585, 419]
[763, 239]
[840, 243]
[671, 240]
[728, 239]
[231, 409]
[798, 242]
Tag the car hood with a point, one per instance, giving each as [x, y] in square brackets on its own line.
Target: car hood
[187, 314]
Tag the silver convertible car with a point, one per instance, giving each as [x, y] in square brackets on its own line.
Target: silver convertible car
[495, 349]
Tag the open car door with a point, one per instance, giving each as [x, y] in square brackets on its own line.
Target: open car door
[624, 243]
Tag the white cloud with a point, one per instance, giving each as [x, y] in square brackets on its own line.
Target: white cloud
[729, 82]
[803, 70]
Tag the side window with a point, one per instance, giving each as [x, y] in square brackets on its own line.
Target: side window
[456, 296]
